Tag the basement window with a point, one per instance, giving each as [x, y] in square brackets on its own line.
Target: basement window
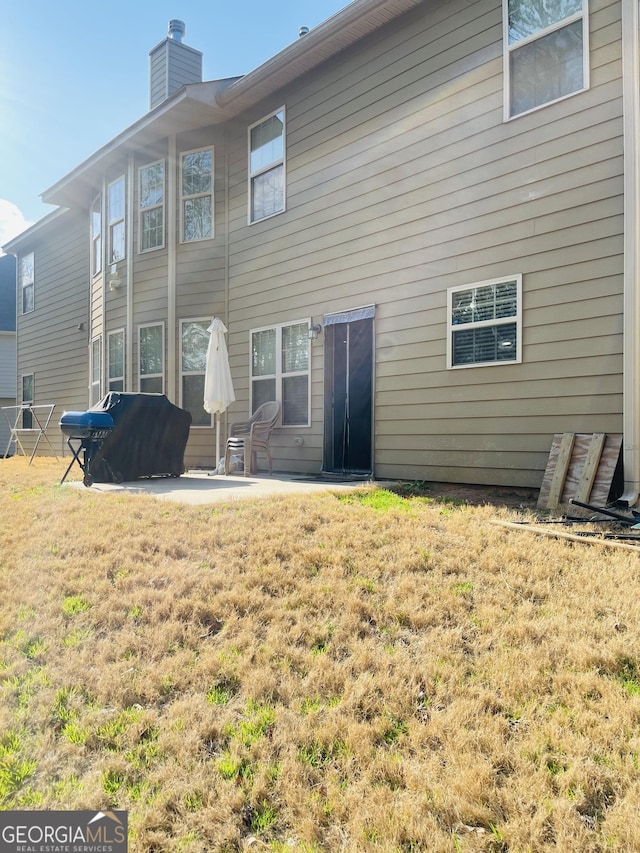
[484, 323]
[266, 167]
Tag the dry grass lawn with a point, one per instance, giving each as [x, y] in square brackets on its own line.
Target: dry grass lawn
[361, 672]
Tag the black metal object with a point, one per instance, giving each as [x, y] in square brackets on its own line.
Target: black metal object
[88, 430]
[149, 437]
[629, 521]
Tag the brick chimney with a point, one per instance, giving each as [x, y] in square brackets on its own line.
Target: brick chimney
[172, 65]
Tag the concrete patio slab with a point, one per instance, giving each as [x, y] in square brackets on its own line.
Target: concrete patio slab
[201, 487]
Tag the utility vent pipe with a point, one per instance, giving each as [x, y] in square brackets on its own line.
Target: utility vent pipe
[177, 29]
[303, 31]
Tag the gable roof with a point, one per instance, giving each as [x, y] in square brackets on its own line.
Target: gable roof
[198, 104]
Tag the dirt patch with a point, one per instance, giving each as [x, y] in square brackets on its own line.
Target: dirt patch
[505, 496]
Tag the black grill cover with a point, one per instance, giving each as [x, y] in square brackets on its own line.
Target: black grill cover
[149, 438]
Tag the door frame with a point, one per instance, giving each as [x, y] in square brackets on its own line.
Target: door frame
[366, 312]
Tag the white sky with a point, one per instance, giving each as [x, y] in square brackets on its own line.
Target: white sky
[73, 74]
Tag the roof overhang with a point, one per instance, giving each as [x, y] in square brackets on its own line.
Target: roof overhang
[357, 20]
[11, 247]
[189, 108]
[201, 104]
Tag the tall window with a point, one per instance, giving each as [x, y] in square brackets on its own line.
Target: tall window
[96, 235]
[280, 370]
[546, 51]
[194, 340]
[151, 359]
[27, 400]
[196, 188]
[266, 167]
[151, 206]
[115, 360]
[27, 282]
[484, 323]
[116, 221]
[96, 370]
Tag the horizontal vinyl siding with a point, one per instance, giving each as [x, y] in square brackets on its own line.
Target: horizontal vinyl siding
[53, 339]
[8, 364]
[402, 181]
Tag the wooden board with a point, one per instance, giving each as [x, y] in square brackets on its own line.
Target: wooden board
[560, 534]
[588, 474]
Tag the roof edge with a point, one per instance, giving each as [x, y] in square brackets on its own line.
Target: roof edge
[9, 247]
[355, 21]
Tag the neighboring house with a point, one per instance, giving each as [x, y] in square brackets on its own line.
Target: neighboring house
[7, 347]
[418, 221]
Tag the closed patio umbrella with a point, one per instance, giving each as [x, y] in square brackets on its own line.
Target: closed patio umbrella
[218, 385]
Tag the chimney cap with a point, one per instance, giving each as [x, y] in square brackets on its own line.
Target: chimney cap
[176, 29]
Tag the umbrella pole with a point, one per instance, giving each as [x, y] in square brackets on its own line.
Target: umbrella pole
[217, 459]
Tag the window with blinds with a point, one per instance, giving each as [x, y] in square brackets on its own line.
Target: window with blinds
[484, 323]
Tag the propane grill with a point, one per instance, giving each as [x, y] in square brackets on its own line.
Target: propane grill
[88, 430]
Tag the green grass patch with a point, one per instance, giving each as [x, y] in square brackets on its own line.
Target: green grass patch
[74, 604]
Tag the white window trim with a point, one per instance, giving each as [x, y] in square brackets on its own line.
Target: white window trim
[265, 169]
[501, 321]
[29, 285]
[141, 375]
[96, 385]
[509, 48]
[150, 207]
[279, 375]
[27, 416]
[184, 197]
[108, 377]
[115, 221]
[206, 320]
[96, 268]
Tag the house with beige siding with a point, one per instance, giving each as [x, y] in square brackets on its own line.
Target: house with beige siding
[7, 350]
[419, 223]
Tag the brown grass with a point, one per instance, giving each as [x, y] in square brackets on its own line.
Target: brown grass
[328, 673]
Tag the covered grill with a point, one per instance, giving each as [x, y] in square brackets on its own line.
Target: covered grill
[126, 436]
[89, 430]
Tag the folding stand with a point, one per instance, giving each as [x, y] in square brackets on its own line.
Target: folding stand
[38, 428]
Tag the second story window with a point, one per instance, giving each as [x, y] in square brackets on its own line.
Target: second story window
[266, 167]
[196, 187]
[546, 52]
[96, 235]
[151, 205]
[116, 221]
[27, 283]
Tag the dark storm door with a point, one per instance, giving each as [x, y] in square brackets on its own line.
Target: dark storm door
[348, 392]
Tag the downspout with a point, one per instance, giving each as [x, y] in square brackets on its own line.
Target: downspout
[129, 275]
[170, 389]
[631, 304]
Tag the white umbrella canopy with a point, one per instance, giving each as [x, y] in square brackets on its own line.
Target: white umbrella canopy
[218, 385]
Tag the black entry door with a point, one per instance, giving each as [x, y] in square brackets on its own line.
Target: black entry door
[348, 432]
